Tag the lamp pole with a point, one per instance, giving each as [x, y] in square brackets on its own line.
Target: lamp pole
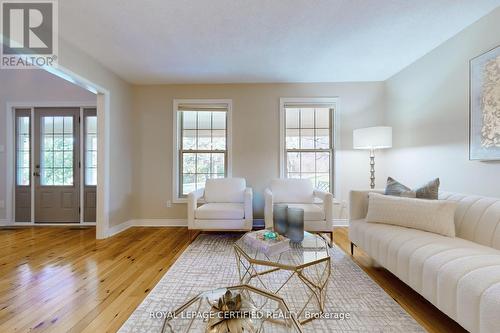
[372, 168]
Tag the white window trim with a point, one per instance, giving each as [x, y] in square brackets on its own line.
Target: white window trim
[335, 101]
[176, 135]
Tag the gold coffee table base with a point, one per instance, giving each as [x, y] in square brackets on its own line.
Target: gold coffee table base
[308, 262]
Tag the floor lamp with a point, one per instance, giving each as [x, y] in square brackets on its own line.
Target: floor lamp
[371, 138]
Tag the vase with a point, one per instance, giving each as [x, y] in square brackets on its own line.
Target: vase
[295, 218]
[280, 224]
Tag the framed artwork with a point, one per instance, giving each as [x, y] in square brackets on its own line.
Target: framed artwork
[484, 108]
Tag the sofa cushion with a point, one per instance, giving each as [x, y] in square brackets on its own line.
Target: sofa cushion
[429, 215]
[220, 211]
[292, 190]
[225, 190]
[460, 277]
[312, 212]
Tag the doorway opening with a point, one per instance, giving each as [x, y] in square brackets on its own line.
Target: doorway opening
[55, 164]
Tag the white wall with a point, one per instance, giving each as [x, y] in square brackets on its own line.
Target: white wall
[31, 86]
[121, 130]
[255, 136]
[428, 106]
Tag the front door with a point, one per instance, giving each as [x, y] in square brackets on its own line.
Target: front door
[57, 165]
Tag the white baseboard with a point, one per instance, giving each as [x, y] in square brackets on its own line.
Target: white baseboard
[116, 229]
[4, 222]
[177, 223]
[159, 223]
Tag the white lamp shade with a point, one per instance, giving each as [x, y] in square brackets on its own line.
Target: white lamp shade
[379, 137]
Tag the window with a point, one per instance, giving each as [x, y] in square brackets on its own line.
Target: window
[23, 149]
[57, 151]
[90, 150]
[202, 143]
[307, 141]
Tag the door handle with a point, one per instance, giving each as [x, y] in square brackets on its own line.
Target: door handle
[36, 174]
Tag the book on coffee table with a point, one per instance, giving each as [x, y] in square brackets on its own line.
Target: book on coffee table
[275, 246]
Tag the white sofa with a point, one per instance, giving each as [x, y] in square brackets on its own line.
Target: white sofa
[227, 206]
[299, 193]
[460, 276]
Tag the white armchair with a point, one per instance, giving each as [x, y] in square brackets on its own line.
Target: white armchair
[227, 206]
[299, 193]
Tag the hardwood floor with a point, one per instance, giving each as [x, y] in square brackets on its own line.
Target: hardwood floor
[62, 280]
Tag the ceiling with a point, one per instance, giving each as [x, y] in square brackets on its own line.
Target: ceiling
[232, 41]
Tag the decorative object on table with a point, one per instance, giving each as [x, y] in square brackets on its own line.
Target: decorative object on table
[280, 224]
[372, 138]
[295, 224]
[427, 191]
[229, 316]
[484, 106]
[262, 240]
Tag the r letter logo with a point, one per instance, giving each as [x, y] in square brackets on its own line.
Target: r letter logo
[29, 33]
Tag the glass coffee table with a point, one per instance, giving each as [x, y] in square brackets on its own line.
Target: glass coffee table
[299, 275]
[262, 312]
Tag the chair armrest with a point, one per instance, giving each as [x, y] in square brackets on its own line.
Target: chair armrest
[327, 199]
[268, 208]
[248, 204]
[192, 204]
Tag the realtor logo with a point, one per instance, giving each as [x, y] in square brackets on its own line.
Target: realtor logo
[29, 33]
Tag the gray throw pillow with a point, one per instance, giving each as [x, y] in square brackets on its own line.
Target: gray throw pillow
[397, 189]
[427, 191]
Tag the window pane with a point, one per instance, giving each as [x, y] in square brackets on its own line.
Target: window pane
[48, 125]
[68, 125]
[310, 176]
[322, 139]
[203, 163]
[189, 120]
[58, 159]
[293, 160]
[292, 139]
[189, 163]
[189, 139]
[24, 142]
[202, 131]
[323, 162]
[219, 140]
[90, 151]
[307, 162]
[47, 176]
[307, 139]
[200, 181]
[204, 139]
[58, 142]
[68, 159]
[323, 182]
[48, 159]
[292, 118]
[90, 176]
[294, 175]
[58, 125]
[204, 120]
[307, 118]
[68, 176]
[23, 176]
[323, 118]
[219, 120]
[48, 142]
[188, 184]
[218, 165]
[23, 125]
[91, 124]
[58, 176]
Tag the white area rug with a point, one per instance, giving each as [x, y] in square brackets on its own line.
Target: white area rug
[209, 263]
